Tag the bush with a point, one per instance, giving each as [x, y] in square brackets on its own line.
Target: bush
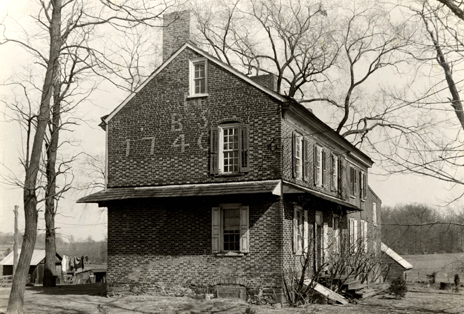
[398, 287]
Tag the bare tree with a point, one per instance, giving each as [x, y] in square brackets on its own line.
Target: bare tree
[292, 39]
[68, 55]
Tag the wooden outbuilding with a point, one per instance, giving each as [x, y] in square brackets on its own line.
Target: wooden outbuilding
[36, 268]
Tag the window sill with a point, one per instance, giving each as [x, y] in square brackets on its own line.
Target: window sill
[229, 174]
[230, 254]
[352, 196]
[197, 96]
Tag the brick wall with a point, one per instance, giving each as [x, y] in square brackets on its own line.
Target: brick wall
[179, 129]
[169, 241]
[291, 125]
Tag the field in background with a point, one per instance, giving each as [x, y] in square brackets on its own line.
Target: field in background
[446, 266]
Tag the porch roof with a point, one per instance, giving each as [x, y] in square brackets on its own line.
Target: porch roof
[210, 189]
[291, 188]
[396, 257]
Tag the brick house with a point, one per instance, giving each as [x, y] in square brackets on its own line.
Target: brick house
[213, 178]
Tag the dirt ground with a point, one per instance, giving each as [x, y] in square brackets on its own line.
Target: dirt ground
[89, 299]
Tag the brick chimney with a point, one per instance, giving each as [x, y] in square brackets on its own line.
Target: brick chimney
[267, 80]
[176, 32]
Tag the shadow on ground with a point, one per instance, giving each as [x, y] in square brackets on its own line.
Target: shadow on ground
[92, 289]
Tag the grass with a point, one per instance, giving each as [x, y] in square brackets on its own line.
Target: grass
[446, 265]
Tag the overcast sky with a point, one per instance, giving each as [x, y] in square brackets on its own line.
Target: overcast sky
[81, 221]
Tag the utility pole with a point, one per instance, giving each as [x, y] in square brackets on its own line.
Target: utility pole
[15, 245]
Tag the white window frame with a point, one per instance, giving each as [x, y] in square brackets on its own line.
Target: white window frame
[221, 147]
[218, 229]
[334, 172]
[374, 213]
[192, 78]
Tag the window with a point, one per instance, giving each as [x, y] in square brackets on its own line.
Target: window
[334, 183]
[229, 149]
[362, 185]
[300, 231]
[336, 228]
[374, 214]
[297, 155]
[198, 82]
[364, 235]
[318, 165]
[353, 234]
[353, 181]
[230, 228]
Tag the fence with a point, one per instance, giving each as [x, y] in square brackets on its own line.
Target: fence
[6, 280]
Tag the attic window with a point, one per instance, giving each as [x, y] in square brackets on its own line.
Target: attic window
[198, 81]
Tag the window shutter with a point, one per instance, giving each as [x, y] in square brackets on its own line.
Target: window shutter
[245, 162]
[306, 233]
[336, 227]
[214, 150]
[351, 232]
[365, 236]
[305, 161]
[364, 185]
[324, 167]
[325, 243]
[316, 166]
[374, 214]
[244, 230]
[216, 229]
[294, 139]
[295, 230]
[340, 175]
[361, 185]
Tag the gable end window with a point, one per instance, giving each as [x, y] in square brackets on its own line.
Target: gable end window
[230, 230]
[229, 149]
[198, 77]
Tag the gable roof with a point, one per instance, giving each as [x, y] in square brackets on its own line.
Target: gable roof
[211, 58]
[283, 99]
[37, 257]
[396, 257]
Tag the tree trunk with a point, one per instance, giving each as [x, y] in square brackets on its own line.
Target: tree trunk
[50, 210]
[16, 300]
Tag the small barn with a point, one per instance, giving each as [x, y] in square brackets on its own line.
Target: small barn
[397, 266]
[36, 268]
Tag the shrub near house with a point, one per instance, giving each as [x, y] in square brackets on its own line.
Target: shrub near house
[216, 180]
